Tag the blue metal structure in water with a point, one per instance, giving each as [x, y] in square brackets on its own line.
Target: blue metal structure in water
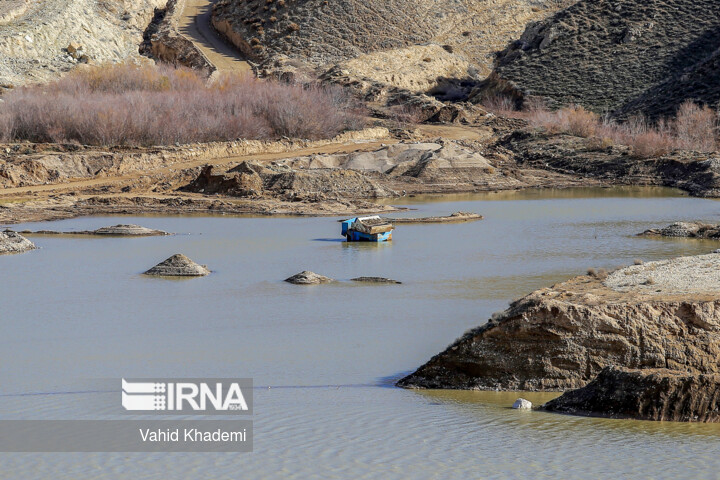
[367, 229]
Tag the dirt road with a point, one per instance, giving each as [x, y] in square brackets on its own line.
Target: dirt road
[195, 24]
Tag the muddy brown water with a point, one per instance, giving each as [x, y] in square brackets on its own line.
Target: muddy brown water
[79, 308]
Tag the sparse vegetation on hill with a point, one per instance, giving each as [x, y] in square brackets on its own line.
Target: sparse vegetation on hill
[319, 33]
[623, 57]
[132, 105]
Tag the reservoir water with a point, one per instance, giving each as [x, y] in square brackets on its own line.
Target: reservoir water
[324, 358]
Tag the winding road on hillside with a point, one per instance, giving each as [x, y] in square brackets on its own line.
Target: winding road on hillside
[195, 24]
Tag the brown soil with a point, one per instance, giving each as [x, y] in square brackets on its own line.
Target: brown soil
[652, 394]
[329, 177]
[561, 337]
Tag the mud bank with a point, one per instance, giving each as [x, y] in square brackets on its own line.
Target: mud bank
[652, 394]
[457, 217]
[68, 206]
[328, 177]
[657, 315]
[685, 230]
[113, 231]
[696, 173]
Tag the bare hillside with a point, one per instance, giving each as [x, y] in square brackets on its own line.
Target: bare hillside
[318, 33]
[35, 34]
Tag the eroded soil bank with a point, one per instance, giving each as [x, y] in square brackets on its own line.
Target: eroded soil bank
[339, 176]
[660, 314]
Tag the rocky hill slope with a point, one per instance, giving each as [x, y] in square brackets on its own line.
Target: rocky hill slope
[621, 56]
[35, 35]
[317, 33]
[698, 82]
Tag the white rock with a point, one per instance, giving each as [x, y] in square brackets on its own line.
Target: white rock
[522, 404]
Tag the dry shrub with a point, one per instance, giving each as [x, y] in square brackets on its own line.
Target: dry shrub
[650, 144]
[6, 127]
[406, 115]
[499, 104]
[600, 274]
[647, 140]
[600, 143]
[574, 120]
[694, 128]
[132, 105]
[578, 121]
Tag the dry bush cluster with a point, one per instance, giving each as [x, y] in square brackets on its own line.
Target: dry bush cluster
[694, 127]
[133, 105]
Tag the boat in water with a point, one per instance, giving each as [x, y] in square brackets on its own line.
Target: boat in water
[367, 229]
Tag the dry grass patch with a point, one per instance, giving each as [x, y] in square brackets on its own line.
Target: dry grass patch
[147, 105]
[695, 127]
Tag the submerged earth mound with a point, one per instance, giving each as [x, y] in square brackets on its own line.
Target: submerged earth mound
[13, 242]
[657, 315]
[375, 280]
[306, 277]
[178, 266]
[128, 230]
[624, 56]
[653, 394]
[686, 230]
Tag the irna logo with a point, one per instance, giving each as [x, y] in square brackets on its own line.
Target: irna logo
[186, 396]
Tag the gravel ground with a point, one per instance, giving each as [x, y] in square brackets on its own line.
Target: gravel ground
[697, 274]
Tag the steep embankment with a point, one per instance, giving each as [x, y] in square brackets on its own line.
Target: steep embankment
[694, 172]
[293, 36]
[658, 315]
[623, 55]
[34, 39]
[652, 394]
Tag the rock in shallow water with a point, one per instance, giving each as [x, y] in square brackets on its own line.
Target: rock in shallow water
[653, 394]
[522, 404]
[686, 230]
[308, 278]
[178, 266]
[13, 242]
